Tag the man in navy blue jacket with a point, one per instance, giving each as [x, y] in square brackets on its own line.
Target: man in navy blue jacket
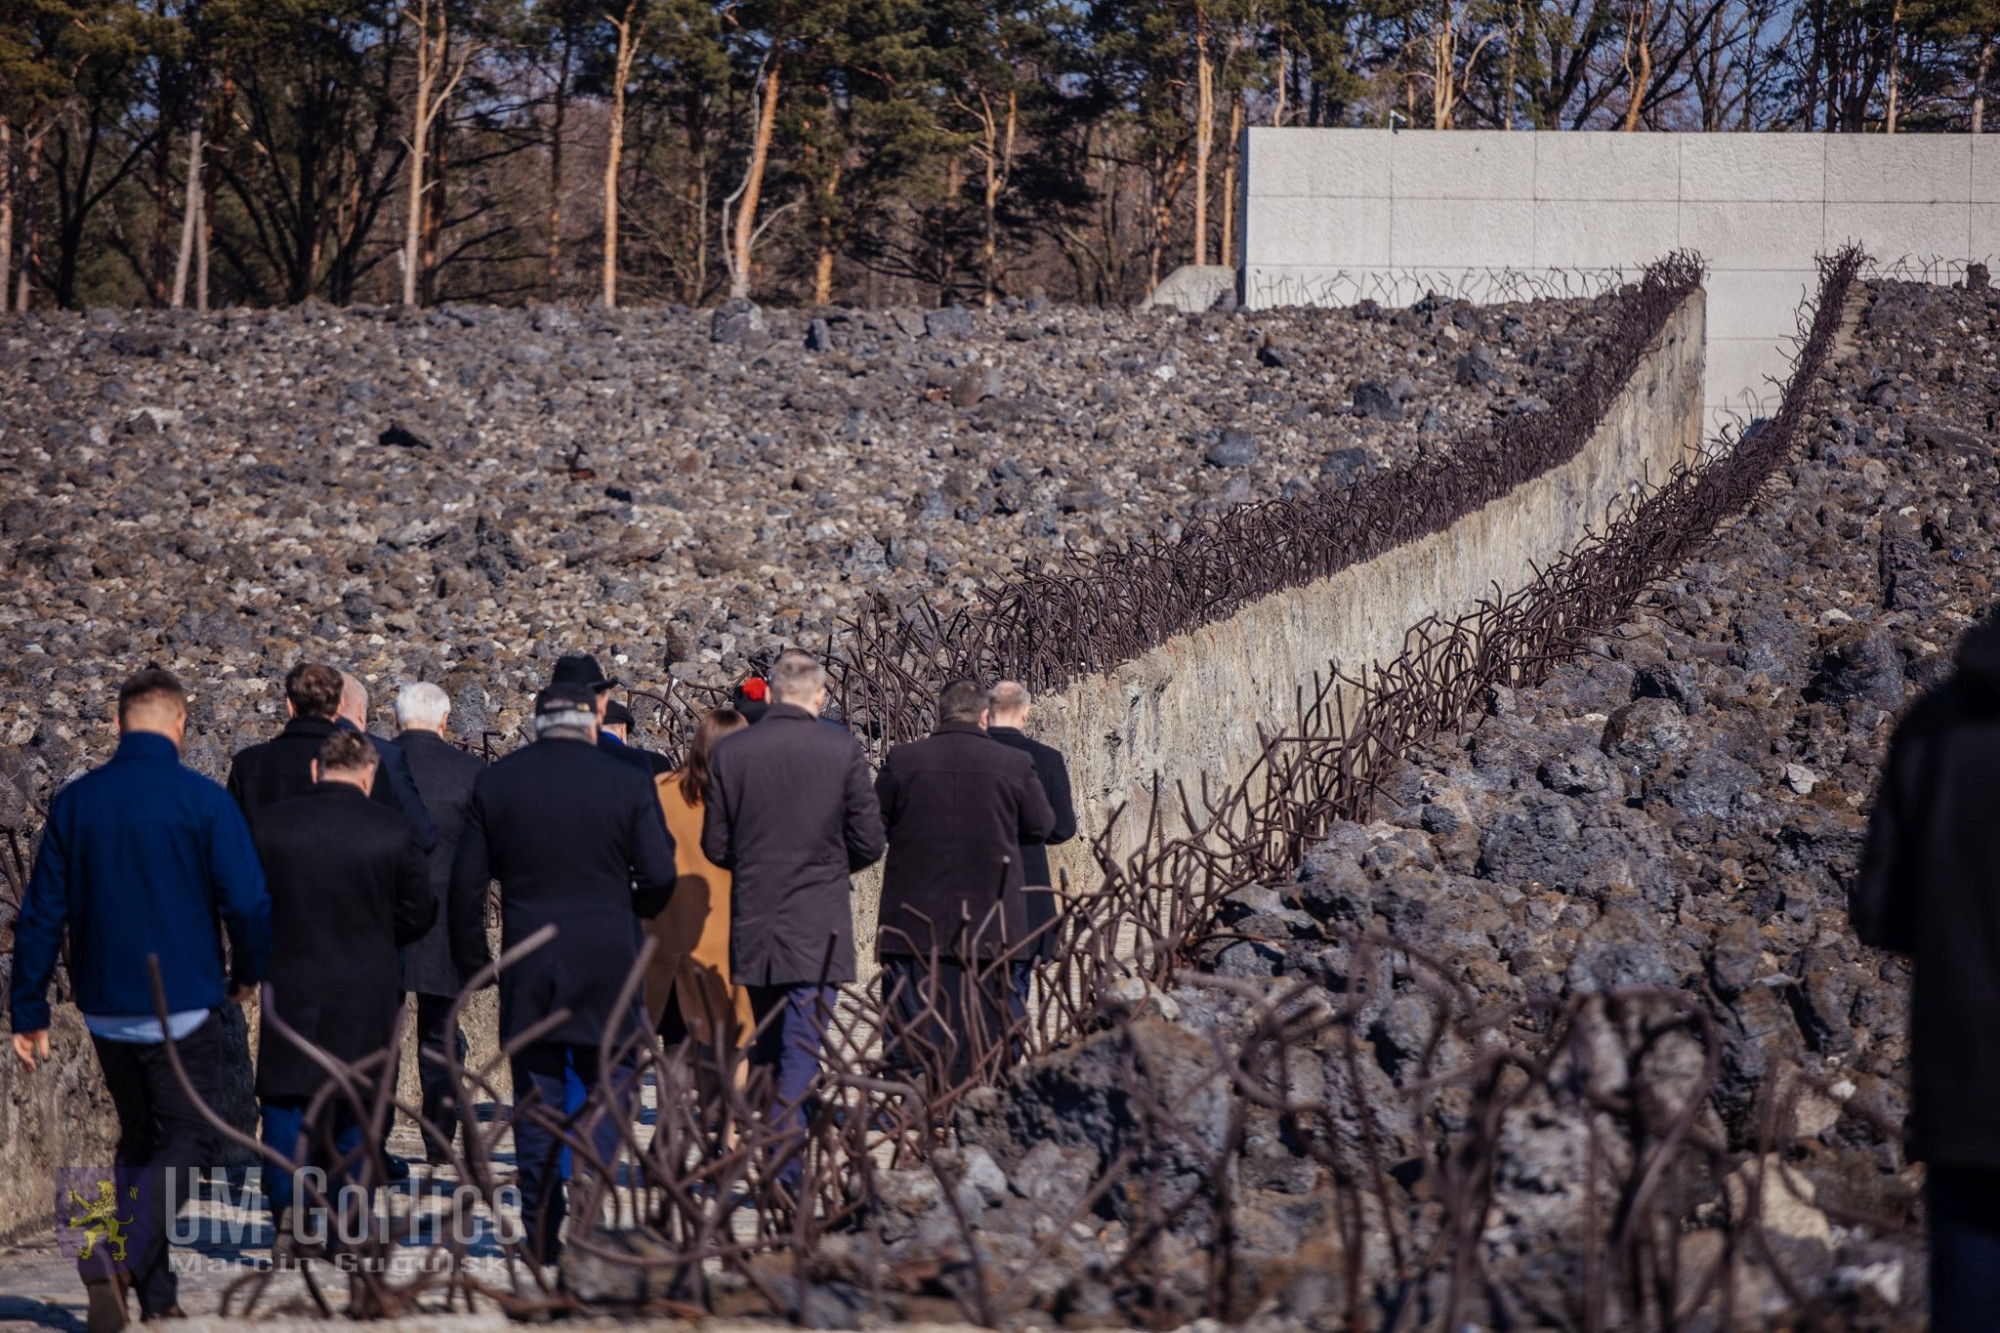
[139, 859]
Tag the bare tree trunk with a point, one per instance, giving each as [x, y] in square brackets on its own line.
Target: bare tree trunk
[1232, 156]
[190, 214]
[1278, 105]
[823, 264]
[1979, 83]
[1204, 133]
[1895, 65]
[6, 208]
[31, 180]
[1513, 42]
[435, 204]
[436, 81]
[1444, 64]
[1641, 25]
[745, 231]
[628, 29]
[999, 154]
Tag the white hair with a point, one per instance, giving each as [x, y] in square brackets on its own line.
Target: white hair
[421, 704]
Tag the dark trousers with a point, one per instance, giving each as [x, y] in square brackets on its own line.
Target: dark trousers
[939, 1023]
[283, 1120]
[1964, 1207]
[542, 1072]
[162, 1143]
[440, 1098]
[789, 1045]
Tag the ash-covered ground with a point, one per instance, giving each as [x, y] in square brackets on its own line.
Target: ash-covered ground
[463, 494]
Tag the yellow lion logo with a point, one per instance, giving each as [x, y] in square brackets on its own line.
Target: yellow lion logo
[99, 1220]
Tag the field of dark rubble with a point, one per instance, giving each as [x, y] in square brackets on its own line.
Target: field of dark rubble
[464, 493]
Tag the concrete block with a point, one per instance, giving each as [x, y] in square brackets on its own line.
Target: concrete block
[1464, 233]
[1758, 303]
[1320, 232]
[1985, 171]
[1754, 235]
[1320, 164]
[1741, 372]
[1894, 231]
[1985, 246]
[1769, 167]
[1587, 234]
[1462, 164]
[1592, 164]
[1901, 168]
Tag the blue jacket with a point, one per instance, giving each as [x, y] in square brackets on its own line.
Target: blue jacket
[140, 857]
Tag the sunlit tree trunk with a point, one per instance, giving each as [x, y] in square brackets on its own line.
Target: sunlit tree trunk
[1204, 132]
[1278, 102]
[191, 212]
[6, 208]
[1985, 68]
[31, 180]
[1895, 66]
[628, 28]
[1640, 29]
[823, 262]
[744, 233]
[437, 77]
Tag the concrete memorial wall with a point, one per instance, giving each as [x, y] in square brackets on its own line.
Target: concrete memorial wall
[1331, 217]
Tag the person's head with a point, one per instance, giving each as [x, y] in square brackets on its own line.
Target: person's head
[312, 690]
[615, 718]
[152, 700]
[693, 774]
[752, 699]
[422, 706]
[566, 712]
[346, 756]
[353, 701]
[797, 678]
[1010, 705]
[582, 669]
[963, 701]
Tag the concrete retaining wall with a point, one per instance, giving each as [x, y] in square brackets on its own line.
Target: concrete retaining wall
[1332, 216]
[1193, 705]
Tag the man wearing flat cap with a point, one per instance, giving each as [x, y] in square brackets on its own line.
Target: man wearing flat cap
[575, 839]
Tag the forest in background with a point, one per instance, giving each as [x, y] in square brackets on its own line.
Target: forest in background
[200, 153]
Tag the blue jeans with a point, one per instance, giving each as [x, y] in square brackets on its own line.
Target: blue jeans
[544, 1072]
[789, 1045]
[1964, 1207]
[284, 1121]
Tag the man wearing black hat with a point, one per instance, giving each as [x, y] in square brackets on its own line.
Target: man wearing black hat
[576, 840]
[580, 671]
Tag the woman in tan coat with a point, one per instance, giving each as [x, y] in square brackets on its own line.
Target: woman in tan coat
[688, 993]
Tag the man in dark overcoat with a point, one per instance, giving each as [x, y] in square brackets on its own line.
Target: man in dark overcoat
[958, 806]
[1007, 723]
[576, 839]
[444, 776]
[349, 887]
[791, 815]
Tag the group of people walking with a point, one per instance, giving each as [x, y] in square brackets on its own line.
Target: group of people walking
[352, 870]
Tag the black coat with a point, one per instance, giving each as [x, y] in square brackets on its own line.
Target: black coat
[1035, 876]
[626, 753]
[281, 768]
[790, 815]
[444, 776]
[348, 887]
[959, 805]
[575, 838]
[1929, 886]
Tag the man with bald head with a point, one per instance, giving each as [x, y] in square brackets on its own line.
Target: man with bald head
[393, 765]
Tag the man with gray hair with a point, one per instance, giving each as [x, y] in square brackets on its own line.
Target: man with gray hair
[576, 839]
[791, 815]
[393, 766]
[444, 776]
[1011, 706]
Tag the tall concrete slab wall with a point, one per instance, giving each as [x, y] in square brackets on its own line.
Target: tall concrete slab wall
[1333, 216]
[1193, 705]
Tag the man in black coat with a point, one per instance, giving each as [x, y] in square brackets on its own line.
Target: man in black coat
[576, 839]
[394, 769]
[1929, 887]
[790, 815]
[348, 888]
[281, 768]
[1008, 724]
[444, 776]
[959, 806]
[580, 671]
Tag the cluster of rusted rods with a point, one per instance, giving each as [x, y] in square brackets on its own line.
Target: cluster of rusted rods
[723, 1203]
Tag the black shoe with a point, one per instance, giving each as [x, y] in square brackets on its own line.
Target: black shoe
[106, 1313]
